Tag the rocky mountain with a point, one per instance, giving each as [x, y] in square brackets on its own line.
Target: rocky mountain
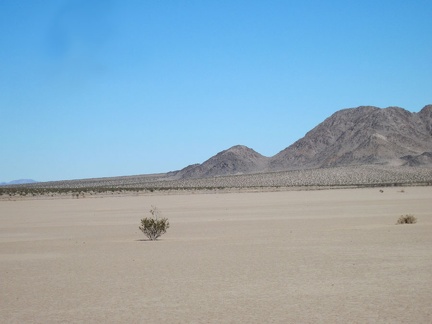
[356, 136]
[418, 160]
[363, 135]
[236, 160]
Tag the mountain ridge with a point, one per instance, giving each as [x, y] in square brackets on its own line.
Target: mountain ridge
[238, 159]
[17, 182]
[353, 136]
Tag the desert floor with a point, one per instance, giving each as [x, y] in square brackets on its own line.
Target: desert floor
[326, 256]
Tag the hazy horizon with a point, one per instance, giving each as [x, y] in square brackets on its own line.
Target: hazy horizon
[118, 88]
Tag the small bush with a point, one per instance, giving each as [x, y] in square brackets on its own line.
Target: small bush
[153, 227]
[407, 219]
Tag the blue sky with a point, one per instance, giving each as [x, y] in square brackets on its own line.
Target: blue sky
[109, 88]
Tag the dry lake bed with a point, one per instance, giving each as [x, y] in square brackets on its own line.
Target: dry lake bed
[324, 256]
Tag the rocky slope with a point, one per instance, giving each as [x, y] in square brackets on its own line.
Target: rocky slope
[236, 160]
[363, 135]
[357, 136]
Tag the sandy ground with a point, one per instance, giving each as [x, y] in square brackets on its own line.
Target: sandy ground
[329, 256]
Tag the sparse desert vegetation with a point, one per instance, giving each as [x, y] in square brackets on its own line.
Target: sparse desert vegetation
[406, 219]
[352, 176]
[234, 257]
[155, 226]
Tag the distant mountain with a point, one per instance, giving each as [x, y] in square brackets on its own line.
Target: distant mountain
[356, 136]
[236, 160]
[363, 135]
[17, 182]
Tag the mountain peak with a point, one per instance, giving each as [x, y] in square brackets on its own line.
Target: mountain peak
[242, 151]
[239, 148]
[238, 159]
[427, 107]
[352, 136]
[362, 135]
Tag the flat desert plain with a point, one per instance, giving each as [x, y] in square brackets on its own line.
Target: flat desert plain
[324, 256]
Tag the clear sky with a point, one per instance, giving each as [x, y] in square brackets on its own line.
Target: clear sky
[125, 87]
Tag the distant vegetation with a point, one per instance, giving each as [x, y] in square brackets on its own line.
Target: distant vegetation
[406, 219]
[353, 176]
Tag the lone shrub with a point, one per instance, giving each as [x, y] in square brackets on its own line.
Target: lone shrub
[406, 219]
[153, 227]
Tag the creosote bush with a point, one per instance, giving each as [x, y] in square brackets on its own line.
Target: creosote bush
[153, 227]
[406, 219]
